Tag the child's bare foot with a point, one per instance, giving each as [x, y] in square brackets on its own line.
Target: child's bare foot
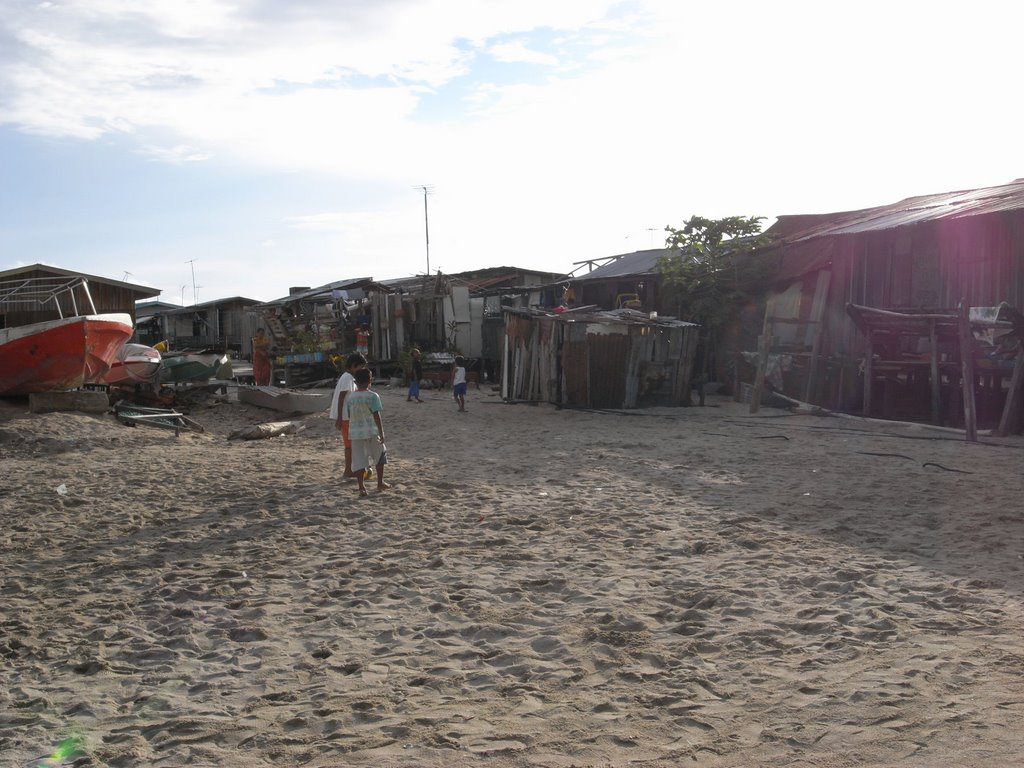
[381, 487]
[363, 493]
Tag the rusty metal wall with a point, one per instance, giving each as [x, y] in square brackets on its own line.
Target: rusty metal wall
[575, 365]
[607, 369]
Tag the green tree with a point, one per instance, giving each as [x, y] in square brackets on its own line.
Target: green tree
[709, 277]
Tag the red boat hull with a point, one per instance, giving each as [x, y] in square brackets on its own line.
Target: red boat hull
[60, 354]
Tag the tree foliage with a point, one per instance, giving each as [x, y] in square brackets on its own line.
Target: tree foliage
[708, 277]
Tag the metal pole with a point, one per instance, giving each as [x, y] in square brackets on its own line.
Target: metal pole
[195, 298]
[426, 227]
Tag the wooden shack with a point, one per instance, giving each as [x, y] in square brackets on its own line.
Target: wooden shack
[461, 312]
[597, 359]
[107, 295]
[223, 324]
[925, 255]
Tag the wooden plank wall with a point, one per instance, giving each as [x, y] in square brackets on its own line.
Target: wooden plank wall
[557, 362]
[608, 369]
[106, 297]
[682, 349]
[575, 365]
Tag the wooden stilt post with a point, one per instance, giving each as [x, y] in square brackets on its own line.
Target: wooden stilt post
[1011, 408]
[936, 382]
[869, 373]
[816, 329]
[967, 373]
[764, 345]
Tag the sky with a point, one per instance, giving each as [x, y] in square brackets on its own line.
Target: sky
[211, 149]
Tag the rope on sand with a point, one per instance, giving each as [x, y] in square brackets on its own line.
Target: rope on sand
[948, 469]
[893, 455]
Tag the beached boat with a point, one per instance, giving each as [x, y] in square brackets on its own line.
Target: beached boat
[190, 366]
[59, 354]
[285, 400]
[134, 364]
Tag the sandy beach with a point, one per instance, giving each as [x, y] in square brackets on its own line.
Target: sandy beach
[541, 587]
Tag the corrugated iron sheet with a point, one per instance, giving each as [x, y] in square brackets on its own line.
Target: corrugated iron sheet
[913, 210]
[608, 370]
[627, 264]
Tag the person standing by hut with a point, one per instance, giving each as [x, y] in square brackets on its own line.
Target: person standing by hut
[459, 382]
[415, 375]
[261, 358]
[363, 340]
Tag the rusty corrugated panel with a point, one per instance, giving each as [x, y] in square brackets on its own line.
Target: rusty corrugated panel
[913, 210]
[608, 352]
[575, 369]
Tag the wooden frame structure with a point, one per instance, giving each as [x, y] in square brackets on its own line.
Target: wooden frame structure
[949, 355]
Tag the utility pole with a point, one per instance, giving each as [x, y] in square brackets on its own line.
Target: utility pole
[427, 189]
[195, 297]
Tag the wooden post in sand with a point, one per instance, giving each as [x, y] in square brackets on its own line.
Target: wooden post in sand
[967, 372]
[869, 374]
[816, 332]
[764, 345]
[936, 382]
[1011, 408]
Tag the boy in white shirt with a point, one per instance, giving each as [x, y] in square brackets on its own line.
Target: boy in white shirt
[346, 384]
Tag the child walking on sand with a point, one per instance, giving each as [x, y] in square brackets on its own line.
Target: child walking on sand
[345, 386]
[366, 431]
[459, 382]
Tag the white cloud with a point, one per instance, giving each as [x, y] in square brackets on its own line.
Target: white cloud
[179, 153]
[518, 52]
[634, 115]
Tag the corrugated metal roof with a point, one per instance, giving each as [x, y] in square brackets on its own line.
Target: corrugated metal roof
[328, 289]
[627, 265]
[179, 310]
[949, 205]
[490, 280]
[142, 290]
